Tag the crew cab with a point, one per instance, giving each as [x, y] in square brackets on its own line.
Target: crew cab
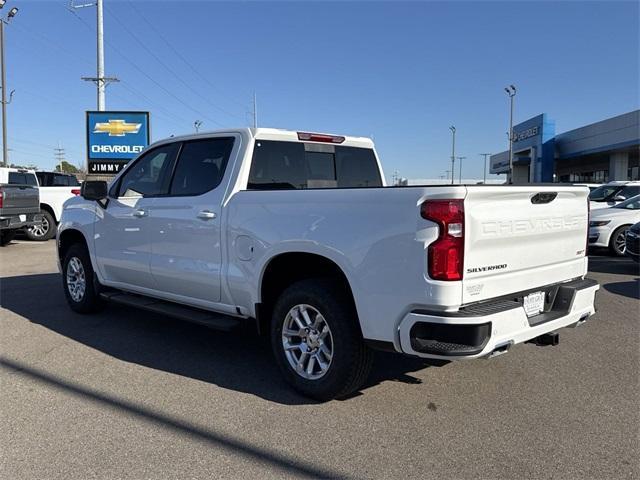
[19, 202]
[55, 189]
[297, 233]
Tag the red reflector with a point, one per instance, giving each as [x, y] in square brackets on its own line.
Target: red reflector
[446, 254]
[319, 137]
[75, 191]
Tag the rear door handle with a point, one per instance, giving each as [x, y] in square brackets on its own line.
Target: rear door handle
[206, 215]
[139, 213]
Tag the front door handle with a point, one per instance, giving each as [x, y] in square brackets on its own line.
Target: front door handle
[139, 213]
[206, 215]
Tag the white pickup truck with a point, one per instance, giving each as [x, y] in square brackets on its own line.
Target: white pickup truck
[55, 189]
[297, 232]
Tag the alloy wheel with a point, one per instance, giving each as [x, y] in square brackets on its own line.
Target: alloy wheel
[307, 342]
[76, 279]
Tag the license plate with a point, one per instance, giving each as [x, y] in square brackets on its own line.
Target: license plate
[534, 303]
[23, 218]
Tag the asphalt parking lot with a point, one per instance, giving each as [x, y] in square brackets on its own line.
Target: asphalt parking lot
[129, 394]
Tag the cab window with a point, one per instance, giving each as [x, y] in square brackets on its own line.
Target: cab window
[201, 166]
[150, 175]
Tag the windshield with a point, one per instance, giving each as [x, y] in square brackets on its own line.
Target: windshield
[631, 204]
[603, 192]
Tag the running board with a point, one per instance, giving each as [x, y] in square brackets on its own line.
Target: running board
[218, 321]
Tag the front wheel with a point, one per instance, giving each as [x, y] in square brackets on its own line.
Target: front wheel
[618, 242]
[317, 342]
[78, 280]
[45, 231]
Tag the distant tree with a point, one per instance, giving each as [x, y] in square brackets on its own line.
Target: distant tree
[66, 167]
[29, 166]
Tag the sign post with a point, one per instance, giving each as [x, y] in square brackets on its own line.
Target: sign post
[113, 139]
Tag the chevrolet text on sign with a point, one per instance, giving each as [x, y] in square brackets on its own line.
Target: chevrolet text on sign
[114, 138]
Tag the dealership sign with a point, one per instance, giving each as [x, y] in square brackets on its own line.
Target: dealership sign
[114, 138]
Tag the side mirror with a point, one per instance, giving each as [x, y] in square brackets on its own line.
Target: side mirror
[94, 190]
[619, 198]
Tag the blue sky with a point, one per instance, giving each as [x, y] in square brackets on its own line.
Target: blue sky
[400, 72]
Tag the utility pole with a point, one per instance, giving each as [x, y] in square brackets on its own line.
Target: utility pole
[460, 159]
[453, 153]
[197, 124]
[484, 178]
[100, 80]
[60, 156]
[255, 110]
[511, 91]
[5, 148]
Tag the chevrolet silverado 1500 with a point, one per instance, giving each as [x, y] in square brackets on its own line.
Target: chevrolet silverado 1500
[297, 232]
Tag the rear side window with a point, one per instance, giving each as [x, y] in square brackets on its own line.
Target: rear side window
[628, 192]
[292, 165]
[201, 166]
[44, 179]
[22, 178]
[60, 180]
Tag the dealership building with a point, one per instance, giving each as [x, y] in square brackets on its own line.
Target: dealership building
[596, 153]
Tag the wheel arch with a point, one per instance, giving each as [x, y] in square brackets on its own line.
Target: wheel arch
[49, 208]
[283, 269]
[69, 237]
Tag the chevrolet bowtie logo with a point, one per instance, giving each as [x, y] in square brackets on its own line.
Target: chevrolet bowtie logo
[117, 128]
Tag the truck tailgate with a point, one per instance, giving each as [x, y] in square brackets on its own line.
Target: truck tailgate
[522, 237]
[19, 199]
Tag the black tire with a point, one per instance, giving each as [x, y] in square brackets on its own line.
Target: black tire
[48, 230]
[351, 359]
[6, 236]
[89, 301]
[615, 246]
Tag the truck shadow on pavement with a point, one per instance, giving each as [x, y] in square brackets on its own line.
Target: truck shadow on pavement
[618, 266]
[237, 361]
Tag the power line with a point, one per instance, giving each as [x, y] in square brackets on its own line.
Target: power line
[149, 77]
[166, 67]
[179, 55]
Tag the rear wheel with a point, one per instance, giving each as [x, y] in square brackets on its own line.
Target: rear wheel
[78, 280]
[618, 242]
[6, 236]
[45, 231]
[317, 342]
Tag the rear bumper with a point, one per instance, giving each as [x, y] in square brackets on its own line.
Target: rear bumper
[15, 222]
[494, 326]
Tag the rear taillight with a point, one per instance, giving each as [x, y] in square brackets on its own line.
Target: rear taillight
[1, 197]
[446, 254]
[75, 191]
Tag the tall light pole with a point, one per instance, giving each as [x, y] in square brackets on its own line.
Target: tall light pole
[453, 152]
[197, 124]
[100, 80]
[511, 91]
[255, 110]
[484, 178]
[5, 148]
[460, 160]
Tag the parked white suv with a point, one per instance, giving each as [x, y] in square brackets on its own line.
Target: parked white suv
[293, 232]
